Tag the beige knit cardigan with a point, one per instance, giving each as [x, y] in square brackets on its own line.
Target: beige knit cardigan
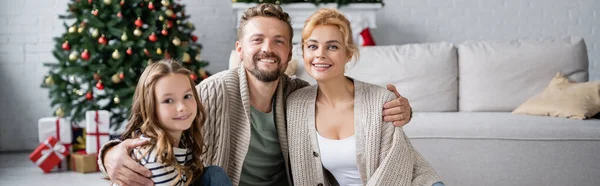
[384, 155]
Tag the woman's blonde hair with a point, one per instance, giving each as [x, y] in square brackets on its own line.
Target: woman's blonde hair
[329, 16]
[144, 120]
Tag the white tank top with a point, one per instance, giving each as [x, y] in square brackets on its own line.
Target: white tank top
[339, 158]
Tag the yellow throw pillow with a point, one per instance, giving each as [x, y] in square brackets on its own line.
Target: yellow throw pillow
[563, 98]
[234, 61]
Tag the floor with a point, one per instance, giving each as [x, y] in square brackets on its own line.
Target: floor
[17, 169]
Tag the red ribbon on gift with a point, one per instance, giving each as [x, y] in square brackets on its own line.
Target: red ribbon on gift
[67, 145]
[97, 133]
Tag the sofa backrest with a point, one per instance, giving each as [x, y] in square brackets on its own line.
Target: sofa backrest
[501, 75]
[426, 74]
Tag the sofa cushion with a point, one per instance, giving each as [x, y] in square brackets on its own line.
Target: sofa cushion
[499, 125]
[500, 75]
[563, 98]
[426, 74]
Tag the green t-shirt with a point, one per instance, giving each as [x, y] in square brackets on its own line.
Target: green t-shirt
[264, 163]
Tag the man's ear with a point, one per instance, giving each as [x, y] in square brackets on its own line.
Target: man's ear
[238, 49]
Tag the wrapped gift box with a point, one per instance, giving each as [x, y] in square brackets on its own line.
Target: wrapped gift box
[78, 142]
[84, 163]
[97, 126]
[49, 154]
[60, 128]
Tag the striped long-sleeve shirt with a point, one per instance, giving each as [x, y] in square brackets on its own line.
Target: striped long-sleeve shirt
[162, 174]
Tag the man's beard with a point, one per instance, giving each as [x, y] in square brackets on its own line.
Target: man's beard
[263, 75]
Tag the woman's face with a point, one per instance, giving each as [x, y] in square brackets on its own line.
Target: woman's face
[325, 53]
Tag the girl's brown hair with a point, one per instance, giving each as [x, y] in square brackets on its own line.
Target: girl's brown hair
[144, 120]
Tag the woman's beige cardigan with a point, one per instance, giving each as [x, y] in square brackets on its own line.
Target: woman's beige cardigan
[383, 153]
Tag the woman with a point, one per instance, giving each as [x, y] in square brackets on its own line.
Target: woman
[348, 142]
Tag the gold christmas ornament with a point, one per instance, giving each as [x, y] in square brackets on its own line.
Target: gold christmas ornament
[190, 25]
[59, 112]
[49, 81]
[186, 57]
[176, 41]
[169, 13]
[72, 29]
[116, 54]
[73, 56]
[80, 29]
[161, 18]
[198, 57]
[149, 62]
[117, 100]
[202, 72]
[78, 92]
[95, 33]
[115, 78]
[158, 51]
[124, 37]
[107, 2]
[137, 32]
[165, 2]
[178, 22]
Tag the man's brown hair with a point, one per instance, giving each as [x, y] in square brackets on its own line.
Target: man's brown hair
[264, 10]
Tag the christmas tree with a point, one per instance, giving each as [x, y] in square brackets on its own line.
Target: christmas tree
[107, 45]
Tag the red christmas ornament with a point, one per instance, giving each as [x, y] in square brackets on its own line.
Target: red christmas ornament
[174, 16]
[164, 32]
[96, 77]
[89, 1]
[142, 4]
[193, 76]
[102, 40]
[89, 96]
[151, 6]
[129, 52]
[138, 22]
[122, 2]
[194, 38]
[146, 52]
[95, 12]
[153, 37]
[169, 24]
[121, 75]
[119, 15]
[85, 55]
[167, 55]
[99, 85]
[66, 46]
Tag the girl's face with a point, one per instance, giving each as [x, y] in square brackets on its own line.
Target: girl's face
[325, 54]
[175, 103]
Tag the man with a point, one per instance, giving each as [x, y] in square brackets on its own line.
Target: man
[245, 131]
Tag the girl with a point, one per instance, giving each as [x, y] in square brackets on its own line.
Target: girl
[167, 111]
[348, 142]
